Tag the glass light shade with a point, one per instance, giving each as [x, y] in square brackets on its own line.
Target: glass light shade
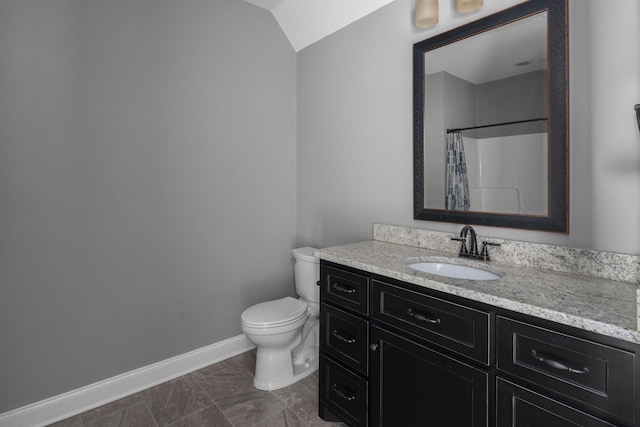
[465, 6]
[426, 13]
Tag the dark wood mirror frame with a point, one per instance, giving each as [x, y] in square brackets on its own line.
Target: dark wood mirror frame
[557, 219]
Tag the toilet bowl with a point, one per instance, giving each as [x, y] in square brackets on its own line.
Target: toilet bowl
[285, 331]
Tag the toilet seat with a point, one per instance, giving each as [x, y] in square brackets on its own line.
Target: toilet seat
[274, 314]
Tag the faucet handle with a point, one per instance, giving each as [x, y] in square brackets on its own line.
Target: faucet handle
[463, 247]
[485, 253]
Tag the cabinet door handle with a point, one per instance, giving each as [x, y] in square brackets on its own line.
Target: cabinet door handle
[556, 364]
[421, 317]
[343, 392]
[343, 337]
[345, 289]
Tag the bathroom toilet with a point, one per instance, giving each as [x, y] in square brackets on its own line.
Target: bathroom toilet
[285, 331]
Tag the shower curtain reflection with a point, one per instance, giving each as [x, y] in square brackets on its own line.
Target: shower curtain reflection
[457, 183]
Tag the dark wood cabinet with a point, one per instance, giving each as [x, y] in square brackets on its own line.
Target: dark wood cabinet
[456, 327]
[414, 385]
[345, 288]
[345, 338]
[397, 354]
[344, 395]
[344, 345]
[589, 373]
[519, 407]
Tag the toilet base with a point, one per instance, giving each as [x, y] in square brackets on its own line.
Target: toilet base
[299, 372]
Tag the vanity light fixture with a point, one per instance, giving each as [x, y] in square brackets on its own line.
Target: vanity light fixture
[426, 13]
[466, 6]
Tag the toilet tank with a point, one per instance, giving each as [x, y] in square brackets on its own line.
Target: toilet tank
[306, 270]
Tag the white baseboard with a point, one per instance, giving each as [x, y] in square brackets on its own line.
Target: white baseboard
[92, 396]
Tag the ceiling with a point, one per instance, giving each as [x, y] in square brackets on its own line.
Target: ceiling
[510, 50]
[306, 21]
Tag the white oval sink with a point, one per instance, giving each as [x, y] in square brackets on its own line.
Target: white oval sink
[454, 270]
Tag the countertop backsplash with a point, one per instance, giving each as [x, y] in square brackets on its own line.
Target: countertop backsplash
[607, 265]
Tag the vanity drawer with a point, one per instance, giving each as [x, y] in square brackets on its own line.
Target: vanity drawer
[345, 337]
[586, 371]
[344, 393]
[458, 328]
[344, 288]
[517, 406]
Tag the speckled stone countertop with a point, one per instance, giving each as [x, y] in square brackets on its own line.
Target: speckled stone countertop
[587, 302]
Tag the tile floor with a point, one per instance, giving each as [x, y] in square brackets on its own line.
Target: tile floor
[218, 395]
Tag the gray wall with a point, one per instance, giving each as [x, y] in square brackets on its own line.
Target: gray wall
[449, 103]
[513, 98]
[148, 150]
[147, 182]
[355, 130]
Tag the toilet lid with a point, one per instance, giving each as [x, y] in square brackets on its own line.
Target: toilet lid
[274, 313]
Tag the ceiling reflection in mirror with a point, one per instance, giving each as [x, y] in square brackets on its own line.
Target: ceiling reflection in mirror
[490, 120]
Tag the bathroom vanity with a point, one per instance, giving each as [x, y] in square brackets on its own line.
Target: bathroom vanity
[534, 347]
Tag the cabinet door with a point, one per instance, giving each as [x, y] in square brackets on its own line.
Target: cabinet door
[519, 407]
[413, 385]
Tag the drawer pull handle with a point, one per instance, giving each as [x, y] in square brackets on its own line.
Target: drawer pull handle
[344, 338]
[343, 392]
[421, 317]
[541, 357]
[345, 289]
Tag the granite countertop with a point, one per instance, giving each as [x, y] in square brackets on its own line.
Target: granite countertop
[591, 303]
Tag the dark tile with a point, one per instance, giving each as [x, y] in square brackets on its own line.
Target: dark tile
[109, 408]
[209, 417]
[306, 385]
[223, 380]
[218, 395]
[137, 415]
[247, 360]
[246, 409]
[284, 418]
[69, 422]
[176, 399]
[231, 387]
[319, 422]
[302, 398]
[304, 404]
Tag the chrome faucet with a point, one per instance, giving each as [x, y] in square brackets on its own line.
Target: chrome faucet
[472, 251]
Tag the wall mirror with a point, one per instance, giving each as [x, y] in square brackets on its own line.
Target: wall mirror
[490, 121]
